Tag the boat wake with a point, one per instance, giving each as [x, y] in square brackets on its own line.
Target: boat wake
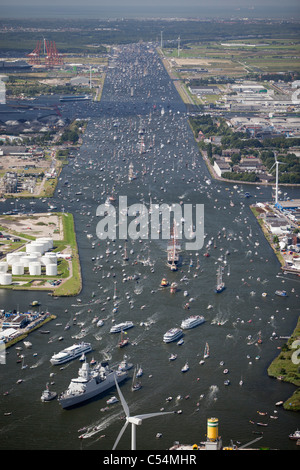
[212, 393]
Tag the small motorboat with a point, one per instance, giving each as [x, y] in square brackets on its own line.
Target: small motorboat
[295, 435]
[112, 400]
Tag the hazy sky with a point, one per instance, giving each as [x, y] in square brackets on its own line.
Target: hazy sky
[264, 8]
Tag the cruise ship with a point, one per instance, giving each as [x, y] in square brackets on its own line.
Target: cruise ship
[172, 335]
[75, 98]
[90, 383]
[192, 321]
[70, 353]
[121, 327]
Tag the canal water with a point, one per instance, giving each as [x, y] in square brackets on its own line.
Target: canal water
[142, 121]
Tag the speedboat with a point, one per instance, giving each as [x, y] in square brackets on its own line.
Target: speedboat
[185, 368]
[164, 282]
[281, 293]
[112, 400]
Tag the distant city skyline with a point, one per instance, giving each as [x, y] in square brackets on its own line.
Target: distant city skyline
[156, 8]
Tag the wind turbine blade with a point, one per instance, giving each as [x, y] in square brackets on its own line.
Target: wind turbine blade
[120, 435]
[251, 442]
[124, 404]
[272, 166]
[152, 415]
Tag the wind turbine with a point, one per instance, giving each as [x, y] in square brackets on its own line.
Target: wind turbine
[178, 45]
[276, 188]
[134, 420]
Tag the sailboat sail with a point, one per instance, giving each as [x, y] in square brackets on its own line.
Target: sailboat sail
[206, 351]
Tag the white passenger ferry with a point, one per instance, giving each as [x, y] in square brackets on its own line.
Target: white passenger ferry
[121, 327]
[192, 321]
[172, 335]
[70, 353]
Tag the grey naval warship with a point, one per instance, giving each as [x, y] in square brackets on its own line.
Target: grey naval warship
[90, 383]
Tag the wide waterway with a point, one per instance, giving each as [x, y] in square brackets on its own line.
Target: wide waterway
[139, 94]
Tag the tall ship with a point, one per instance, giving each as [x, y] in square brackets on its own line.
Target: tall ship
[192, 321]
[70, 353]
[220, 284]
[173, 250]
[90, 383]
[172, 335]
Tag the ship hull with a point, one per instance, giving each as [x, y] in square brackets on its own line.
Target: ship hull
[109, 382]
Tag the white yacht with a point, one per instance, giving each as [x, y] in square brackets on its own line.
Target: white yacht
[172, 335]
[192, 321]
[90, 383]
[121, 327]
[70, 353]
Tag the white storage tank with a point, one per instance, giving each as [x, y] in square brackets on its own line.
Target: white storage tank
[29, 258]
[51, 270]
[47, 242]
[5, 279]
[45, 260]
[3, 267]
[52, 256]
[17, 269]
[14, 257]
[35, 268]
[38, 247]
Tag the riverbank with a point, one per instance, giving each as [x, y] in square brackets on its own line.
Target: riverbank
[286, 368]
[23, 333]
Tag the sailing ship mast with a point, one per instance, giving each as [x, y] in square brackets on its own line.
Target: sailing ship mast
[220, 284]
[173, 250]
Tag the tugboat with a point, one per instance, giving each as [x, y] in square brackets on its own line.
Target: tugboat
[47, 395]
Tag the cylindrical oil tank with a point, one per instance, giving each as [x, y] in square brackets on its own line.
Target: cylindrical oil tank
[27, 259]
[212, 429]
[35, 268]
[48, 242]
[3, 267]
[14, 257]
[45, 260]
[5, 279]
[39, 247]
[51, 270]
[17, 269]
